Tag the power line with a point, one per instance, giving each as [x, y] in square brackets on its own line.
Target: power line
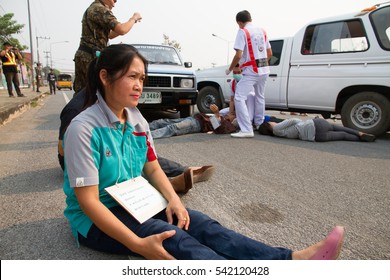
[1, 7]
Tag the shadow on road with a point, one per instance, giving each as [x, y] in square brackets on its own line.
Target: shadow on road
[45, 180]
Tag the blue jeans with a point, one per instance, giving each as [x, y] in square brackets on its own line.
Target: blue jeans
[171, 168]
[206, 239]
[163, 128]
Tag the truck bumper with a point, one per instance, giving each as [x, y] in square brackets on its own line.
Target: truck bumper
[173, 100]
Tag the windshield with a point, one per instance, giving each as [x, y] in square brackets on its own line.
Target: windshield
[159, 54]
[64, 77]
[381, 22]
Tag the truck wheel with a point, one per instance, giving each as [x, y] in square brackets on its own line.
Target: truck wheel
[368, 112]
[207, 96]
[186, 111]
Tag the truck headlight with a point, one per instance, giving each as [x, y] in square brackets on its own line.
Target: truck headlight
[186, 83]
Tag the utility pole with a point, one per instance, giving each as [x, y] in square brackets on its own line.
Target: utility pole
[40, 37]
[31, 46]
[47, 58]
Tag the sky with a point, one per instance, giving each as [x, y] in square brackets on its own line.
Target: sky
[190, 23]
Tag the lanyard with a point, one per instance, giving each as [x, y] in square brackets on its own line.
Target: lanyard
[234, 86]
[252, 61]
[109, 125]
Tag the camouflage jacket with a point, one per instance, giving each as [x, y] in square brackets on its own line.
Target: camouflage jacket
[97, 23]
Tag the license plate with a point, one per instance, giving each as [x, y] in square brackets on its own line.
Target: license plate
[150, 98]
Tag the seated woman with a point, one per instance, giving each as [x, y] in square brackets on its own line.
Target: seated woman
[109, 143]
[182, 177]
[318, 130]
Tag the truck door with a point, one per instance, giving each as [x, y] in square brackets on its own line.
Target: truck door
[277, 80]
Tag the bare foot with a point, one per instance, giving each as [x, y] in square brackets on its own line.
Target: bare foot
[327, 249]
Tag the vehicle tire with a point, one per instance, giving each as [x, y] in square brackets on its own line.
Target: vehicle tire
[186, 111]
[367, 112]
[207, 96]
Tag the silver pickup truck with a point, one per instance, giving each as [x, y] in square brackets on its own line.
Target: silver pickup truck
[338, 65]
[171, 85]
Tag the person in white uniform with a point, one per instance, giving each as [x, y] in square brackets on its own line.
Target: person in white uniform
[253, 51]
[237, 76]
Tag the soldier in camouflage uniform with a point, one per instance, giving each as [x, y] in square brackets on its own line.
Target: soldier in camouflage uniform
[98, 26]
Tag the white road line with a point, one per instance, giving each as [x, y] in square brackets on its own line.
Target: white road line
[65, 97]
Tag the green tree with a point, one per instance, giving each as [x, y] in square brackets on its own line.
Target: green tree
[172, 43]
[9, 27]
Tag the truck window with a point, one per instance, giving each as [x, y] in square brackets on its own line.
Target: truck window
[64, 77]
[159, 54]
[335, 37]
[277, 47]
[380, 20]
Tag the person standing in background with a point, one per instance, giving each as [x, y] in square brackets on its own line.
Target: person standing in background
[9, 55]
[52, 78]
[38, 75]
[253, 51]
[98, 26]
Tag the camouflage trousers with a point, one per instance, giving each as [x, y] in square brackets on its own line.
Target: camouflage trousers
[81, 62]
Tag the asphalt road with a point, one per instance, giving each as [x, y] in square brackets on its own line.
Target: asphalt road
[283, 192]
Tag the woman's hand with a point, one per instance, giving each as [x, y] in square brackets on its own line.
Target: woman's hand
[176, 207]
[152, 249]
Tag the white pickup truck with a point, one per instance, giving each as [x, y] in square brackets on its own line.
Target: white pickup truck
[338, 65]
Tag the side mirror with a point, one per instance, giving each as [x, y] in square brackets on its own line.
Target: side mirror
[187, 64]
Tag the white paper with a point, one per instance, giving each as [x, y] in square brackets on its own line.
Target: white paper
[139, 198]
[215, 122]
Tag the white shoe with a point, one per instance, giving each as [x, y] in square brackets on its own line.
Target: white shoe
[241, 134]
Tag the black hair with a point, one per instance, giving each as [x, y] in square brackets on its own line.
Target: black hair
[116, 60]
[243, 16]
[266, 129]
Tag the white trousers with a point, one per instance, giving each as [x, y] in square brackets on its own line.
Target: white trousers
[247, 85]
[250, 103]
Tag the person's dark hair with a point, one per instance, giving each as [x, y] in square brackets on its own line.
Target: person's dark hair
[116, 60]
[243, 16]
[266, 129]
[7, 44]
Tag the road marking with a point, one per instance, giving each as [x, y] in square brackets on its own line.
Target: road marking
[66, 97]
